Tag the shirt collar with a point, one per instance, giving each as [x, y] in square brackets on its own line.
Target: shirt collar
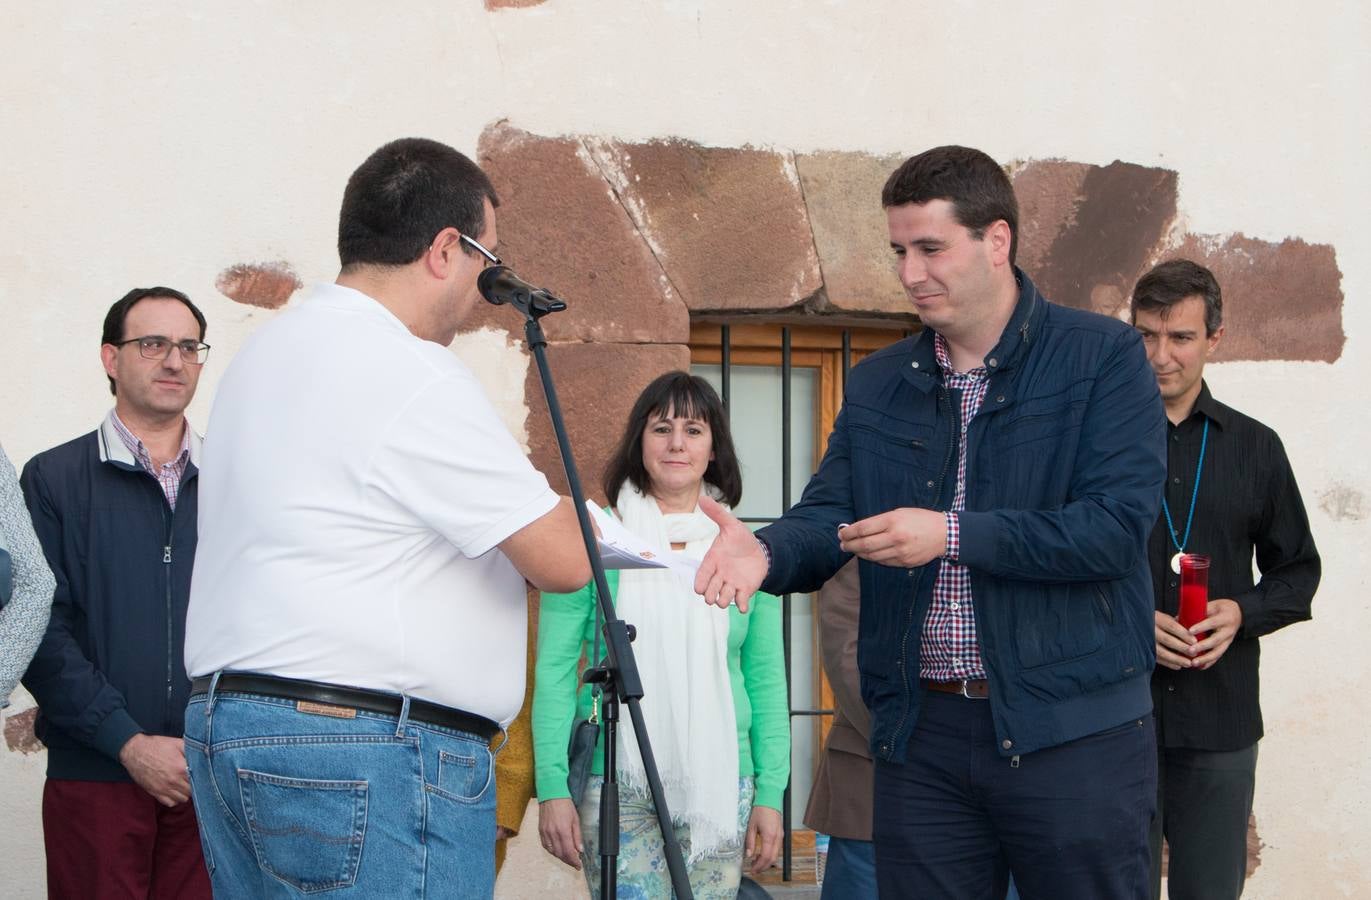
[944, 358]
[340, 296]
[122, 447]
[1206, 405]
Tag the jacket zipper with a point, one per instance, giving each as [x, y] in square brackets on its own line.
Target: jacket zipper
[169, 516]
[1104, 602]
[946, 399]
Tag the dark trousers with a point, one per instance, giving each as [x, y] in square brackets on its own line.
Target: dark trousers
[1204, 799]
[1070, 821]
[108, 840]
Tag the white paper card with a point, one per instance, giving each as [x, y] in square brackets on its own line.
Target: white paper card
[622, 549]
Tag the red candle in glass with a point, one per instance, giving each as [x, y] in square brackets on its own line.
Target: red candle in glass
[1194, 590]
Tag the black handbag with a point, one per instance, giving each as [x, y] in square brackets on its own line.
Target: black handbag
[6, 574]
[585, 733]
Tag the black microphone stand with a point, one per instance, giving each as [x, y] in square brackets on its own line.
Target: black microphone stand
[617, 673]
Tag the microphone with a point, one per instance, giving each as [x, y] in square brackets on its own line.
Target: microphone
[499, 285]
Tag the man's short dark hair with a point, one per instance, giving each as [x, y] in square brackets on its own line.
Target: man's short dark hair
[975, 185]
[1173, 281]
[676, 394]
[404, 194]
[113, 332]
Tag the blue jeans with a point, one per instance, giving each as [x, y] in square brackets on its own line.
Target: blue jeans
[850, 873]
[296, 804]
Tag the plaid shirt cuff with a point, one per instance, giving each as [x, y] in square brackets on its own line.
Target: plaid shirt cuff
[954, 538]
[766, 551]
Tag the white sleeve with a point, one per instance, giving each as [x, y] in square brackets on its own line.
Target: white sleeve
[449, 460]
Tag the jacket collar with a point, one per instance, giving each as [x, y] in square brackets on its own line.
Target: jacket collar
[112, 449]
[1022, 328]
[1018, 335]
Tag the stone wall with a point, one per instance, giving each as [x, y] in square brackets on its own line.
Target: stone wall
[638, 237]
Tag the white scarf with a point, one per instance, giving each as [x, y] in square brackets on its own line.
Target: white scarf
[682, 654]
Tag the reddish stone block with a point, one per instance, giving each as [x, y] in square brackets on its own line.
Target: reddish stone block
[1280, 301]
[268, 285]
[596, 384]
[19, 735]
[842, 192]
[636, 236]
[562, 227]
[1048, 191]
[1110, 236]
[728, 225]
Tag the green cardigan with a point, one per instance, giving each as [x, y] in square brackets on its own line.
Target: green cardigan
[756, 670]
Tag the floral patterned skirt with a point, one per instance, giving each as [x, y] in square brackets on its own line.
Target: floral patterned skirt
[642, 867]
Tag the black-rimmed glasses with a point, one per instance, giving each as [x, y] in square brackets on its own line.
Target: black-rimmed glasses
[491, 258]
[154, 346]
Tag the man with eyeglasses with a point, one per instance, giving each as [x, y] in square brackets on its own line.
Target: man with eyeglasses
[357, 627]
[115, 511]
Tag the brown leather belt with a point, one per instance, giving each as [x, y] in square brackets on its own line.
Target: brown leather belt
[341, 698]
[974, 689]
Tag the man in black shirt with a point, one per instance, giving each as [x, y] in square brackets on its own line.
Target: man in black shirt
[1230, 493]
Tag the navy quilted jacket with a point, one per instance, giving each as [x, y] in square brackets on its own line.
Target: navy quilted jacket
[110, 665]
[1065, 467]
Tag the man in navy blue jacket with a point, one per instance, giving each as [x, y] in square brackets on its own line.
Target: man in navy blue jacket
[1000, 472]
[115, 511]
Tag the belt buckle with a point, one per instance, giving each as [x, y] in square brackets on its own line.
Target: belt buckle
[965, 682]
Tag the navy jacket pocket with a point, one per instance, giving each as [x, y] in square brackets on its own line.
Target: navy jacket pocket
[1059, 623]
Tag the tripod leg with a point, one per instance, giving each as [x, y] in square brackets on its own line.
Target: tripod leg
[609, 839]
[609, 800]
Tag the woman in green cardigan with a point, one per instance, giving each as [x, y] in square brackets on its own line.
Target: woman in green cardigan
[713, 680]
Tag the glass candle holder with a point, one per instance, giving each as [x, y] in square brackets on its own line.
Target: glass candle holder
[1194, 590]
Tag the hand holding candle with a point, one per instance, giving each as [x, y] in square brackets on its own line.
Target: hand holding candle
[1215, 623]
[1194, 590]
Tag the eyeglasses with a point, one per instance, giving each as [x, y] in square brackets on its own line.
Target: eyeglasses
[491, 258]
[154, 346]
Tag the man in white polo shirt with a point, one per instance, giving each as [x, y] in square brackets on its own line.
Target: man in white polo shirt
[357, 615]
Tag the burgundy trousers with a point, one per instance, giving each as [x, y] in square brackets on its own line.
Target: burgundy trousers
[113, 841]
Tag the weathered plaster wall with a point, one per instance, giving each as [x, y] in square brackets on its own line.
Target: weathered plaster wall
[206, 148]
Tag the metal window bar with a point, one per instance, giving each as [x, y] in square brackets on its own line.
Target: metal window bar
[725, 358]
[725, 364]
[787, 846]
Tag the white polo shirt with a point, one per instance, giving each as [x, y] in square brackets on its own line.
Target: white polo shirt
[354, 486]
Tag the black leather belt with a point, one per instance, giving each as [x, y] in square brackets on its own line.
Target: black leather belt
[971, 689]
[339, 700]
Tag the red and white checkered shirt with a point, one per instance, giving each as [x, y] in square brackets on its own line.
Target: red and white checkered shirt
[168, 474]
[949, 651]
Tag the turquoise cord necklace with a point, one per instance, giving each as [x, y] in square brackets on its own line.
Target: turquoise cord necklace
[1190, 517]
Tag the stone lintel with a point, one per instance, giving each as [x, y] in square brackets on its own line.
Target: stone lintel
[596, 386]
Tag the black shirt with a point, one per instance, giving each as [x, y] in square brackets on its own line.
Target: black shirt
[1248, 502]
